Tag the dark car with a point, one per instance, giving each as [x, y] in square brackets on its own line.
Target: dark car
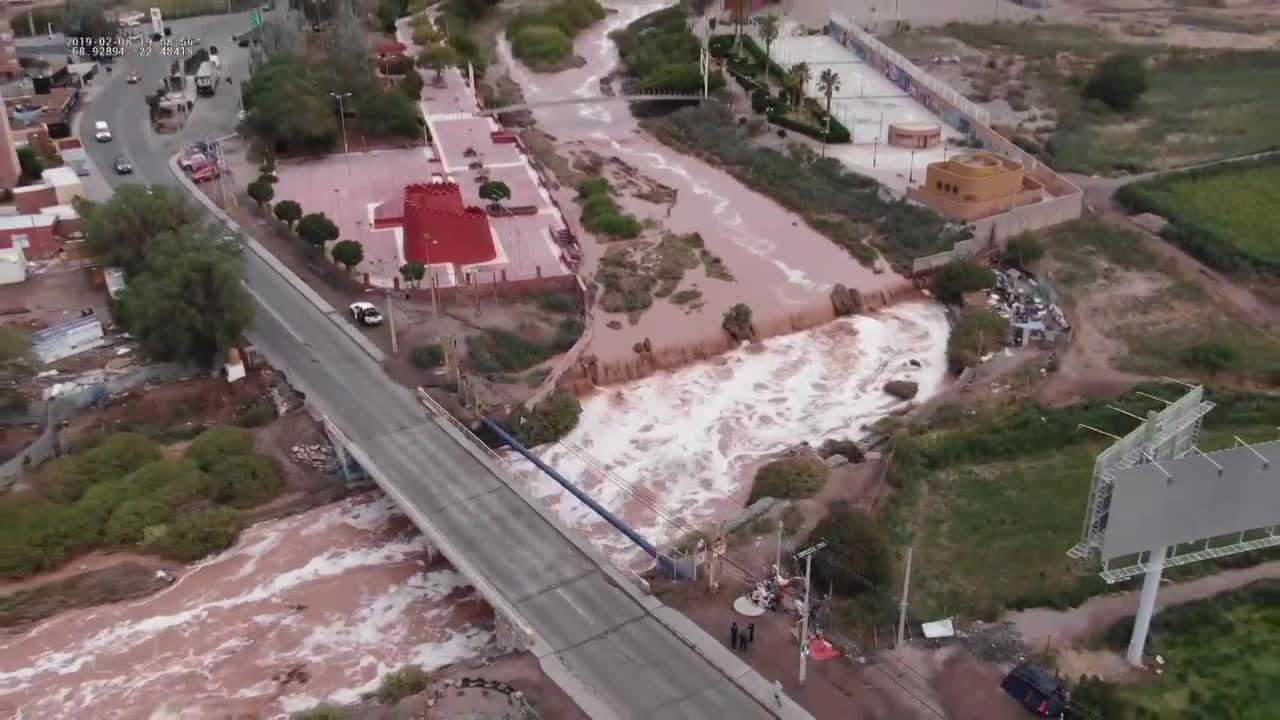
[1037, 690]
[122, 165]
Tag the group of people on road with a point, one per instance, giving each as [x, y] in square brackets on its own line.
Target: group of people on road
[742, 639]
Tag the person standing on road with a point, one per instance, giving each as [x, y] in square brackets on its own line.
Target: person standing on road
[751, 633]
[733, 635]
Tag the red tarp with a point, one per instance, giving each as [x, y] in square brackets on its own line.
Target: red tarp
[820, 649]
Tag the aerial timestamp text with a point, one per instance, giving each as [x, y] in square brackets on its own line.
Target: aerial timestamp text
[137, 44]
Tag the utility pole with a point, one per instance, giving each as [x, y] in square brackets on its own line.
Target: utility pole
[777, 566]
[391, 323]
[807, 554]
[902, 606]
[435, 307]
[704, 64]
[342, 118]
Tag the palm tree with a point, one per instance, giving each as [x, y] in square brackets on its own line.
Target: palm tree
[769, 29]
[828, 84]
[797, 77]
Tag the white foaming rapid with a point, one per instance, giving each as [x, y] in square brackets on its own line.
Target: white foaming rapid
[691, 437]
[340, 593]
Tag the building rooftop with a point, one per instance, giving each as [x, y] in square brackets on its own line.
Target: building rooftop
[437, 227]
[60, 176]
[26, 222]
[980, 163]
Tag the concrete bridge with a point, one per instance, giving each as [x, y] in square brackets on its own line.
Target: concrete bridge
[594, 100]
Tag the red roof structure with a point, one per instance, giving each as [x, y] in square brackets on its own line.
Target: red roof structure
[437, 227]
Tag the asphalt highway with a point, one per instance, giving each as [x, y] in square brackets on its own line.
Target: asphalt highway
[592, 631]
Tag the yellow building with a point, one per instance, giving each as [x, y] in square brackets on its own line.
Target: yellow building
[976, 185]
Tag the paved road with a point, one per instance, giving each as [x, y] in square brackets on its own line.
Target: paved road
[592, 631]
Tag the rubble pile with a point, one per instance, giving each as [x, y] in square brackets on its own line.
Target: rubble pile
[1026, 304]
[320, 457]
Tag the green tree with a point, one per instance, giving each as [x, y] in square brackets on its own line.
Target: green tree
[426, 357]
[120, 231]
[347, 253]
[438, 57]
[350, 55]
[217, 443]
[413, 273]
[828, 85]
[769, 31]
[289, 107]
[796, 80]
[261, 191]
[87, 19]
[979, 331]
[288, 212]
[854, 543]
[405, 682]
[131, 518]
[31, 164]
[188, 304]
[1212, 356]
[1119, 82]
[383, 113]
[66, 479]
[411, 84]
[267, 168]
[196, 535]
[953, 280]
[245, 481]
[317, 229]
[495, 191]
[737, 322]
[791, 477]
[1023, 250]
[548, 421]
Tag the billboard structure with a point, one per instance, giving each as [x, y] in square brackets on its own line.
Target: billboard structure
[1157, 500]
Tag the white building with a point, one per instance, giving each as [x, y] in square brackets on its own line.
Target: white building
[13, 265]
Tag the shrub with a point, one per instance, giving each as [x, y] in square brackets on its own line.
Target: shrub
[843, 446]
[1023, 249]
[979, 332]
[792, 477]
[196, 535]
[856, 547]
[245, 481]
[426, 357]
[567, 334]
[131, 518]
[500, 350]
[405, 682]
[557, 302]
[1118, 82]
[737, 322]
[1212, 356]
[541, 45]
[321, 712]
[953, 280]
[548, 421]
[117, 456]
[600, 214]
[219, 442]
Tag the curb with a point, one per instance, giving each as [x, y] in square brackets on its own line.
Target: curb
[274, 263]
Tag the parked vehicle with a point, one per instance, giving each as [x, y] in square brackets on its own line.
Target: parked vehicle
[101, 131]
[1037, 690]
[207, 78]
[122, 165]
[191, 162]
[135, 77]
[205, 174]
[366, 314]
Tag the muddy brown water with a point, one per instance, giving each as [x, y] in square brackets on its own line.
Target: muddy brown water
[313, 607]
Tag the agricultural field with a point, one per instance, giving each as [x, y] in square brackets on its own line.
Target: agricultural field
[1020, 498]
[1220, 659]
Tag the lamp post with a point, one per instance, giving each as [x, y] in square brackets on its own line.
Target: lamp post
[435, 305]
[911, 174]
[342, 118]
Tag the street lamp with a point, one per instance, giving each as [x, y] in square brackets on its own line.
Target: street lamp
[342, 118]
[435, 306]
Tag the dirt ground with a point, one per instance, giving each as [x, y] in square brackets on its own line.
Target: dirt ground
[50, 298]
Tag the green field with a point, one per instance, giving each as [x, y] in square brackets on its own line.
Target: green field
[1222, 661]
[992, 504]
[1246, 204]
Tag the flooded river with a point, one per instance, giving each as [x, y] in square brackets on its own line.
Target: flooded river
[782, 267]
[309, 608]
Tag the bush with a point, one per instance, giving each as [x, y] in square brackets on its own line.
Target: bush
[130, 520]
[661, 54]
[321, 712]
[980, 331]
[953, 280]
[165, 478]
[117, 456]
[1212, 356]
[792, 477]
[405, 682]
[838, 133]
[737, 322]
[844, 446]
[856, 548]
[557, 302]
[218, 442]
[600, 214]
[245, 481]
[500, 350]
[426, 357]
[1119, 82]
[541, 45]
[1023, 249]
[199, 534]
[548, 421]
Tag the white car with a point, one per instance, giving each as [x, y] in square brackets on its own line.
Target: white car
[101, 131]
[365, 314]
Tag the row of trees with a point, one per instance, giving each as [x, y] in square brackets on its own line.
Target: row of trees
[316, 229]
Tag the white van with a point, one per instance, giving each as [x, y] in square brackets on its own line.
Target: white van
[101, 131]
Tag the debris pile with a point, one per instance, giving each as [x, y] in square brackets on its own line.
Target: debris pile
[320, 457]
[1028, 306]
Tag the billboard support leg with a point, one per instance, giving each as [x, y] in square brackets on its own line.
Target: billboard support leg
[1146, 606]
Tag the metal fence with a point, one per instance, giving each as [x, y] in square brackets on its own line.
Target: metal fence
[54, 411]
